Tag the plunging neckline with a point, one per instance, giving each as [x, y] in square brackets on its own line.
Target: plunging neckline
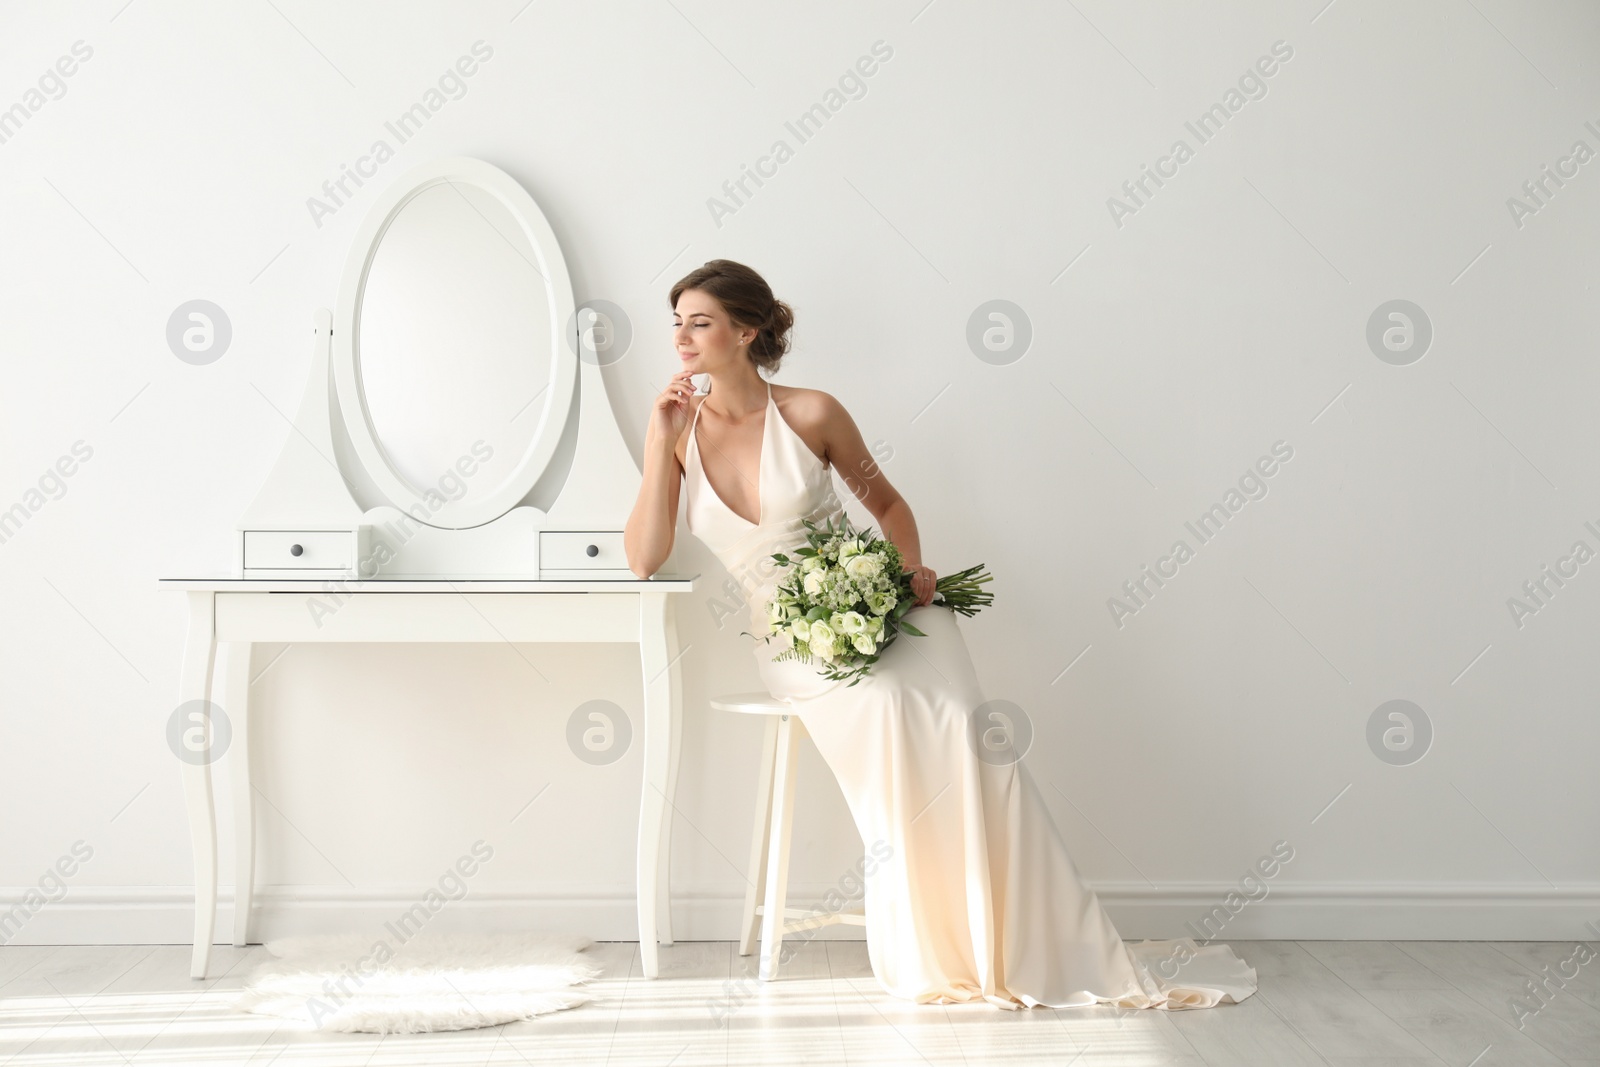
[761, 462]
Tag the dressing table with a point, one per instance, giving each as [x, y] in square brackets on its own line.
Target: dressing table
[455, 473]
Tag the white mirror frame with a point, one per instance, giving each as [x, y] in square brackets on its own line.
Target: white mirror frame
[346, 341]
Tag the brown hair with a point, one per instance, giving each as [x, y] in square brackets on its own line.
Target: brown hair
[748, 299]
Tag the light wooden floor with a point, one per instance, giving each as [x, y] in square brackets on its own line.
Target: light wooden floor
[1374, 1003]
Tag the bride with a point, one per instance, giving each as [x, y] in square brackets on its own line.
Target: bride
[978, 898]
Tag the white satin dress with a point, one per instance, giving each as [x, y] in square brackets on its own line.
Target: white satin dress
[978, 899]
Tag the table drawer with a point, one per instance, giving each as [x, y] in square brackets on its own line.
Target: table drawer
[297, 549]
[570, 550]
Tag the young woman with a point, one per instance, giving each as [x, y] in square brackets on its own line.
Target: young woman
[974, 895]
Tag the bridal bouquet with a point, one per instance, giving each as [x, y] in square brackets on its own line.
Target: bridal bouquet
[846, 596]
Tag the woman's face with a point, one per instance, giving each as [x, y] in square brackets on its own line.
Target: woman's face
[706, 338]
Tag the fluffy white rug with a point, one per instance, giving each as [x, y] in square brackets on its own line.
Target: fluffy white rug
[355, 983]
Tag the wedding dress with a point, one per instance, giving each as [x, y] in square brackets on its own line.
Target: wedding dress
[978, 898]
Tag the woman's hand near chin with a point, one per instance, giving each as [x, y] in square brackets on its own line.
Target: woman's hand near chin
[670, 413]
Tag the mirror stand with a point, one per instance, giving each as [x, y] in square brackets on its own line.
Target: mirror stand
[334, 506]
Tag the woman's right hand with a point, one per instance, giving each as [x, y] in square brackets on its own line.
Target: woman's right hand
[671, 412]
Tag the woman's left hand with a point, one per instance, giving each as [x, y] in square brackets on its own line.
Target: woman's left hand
[922, 583]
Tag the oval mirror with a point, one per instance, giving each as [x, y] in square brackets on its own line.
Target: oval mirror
[452, 372]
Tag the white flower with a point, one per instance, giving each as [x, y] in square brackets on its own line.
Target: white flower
[866, 644]
[849, 622]
[800, 629]
[852, 547]
[822, 640]
[812, 563]
[864, 567]
[815, 582]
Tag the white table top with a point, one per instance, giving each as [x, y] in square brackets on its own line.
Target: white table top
[233, 583]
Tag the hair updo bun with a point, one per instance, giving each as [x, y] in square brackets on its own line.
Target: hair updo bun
[748, 299]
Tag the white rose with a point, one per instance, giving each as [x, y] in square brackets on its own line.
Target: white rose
[814, 582]
[866, 644]
[851, 622]
[852, 547]
[863, 568]
[822, 640]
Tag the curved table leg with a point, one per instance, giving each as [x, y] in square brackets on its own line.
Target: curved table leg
[234, 664]
[653, 802]
[194, 683]
[674, 750]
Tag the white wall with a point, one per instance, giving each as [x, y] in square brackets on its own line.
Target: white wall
[1171, 348]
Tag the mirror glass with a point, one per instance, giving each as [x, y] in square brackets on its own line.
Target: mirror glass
[452, 342]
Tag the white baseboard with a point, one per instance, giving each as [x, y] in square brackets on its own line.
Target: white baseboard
[129, 915]
[1353, 911]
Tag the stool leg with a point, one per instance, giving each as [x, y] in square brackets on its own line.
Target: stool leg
[759, 837]
[778, 850]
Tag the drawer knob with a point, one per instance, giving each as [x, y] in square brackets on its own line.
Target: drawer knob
[592, 550]
[296, 550]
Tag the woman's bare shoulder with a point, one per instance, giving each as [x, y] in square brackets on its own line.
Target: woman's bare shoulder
[815, 415]
[812, 406]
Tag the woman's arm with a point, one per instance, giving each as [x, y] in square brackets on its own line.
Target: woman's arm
[848, 454]
[652, 525]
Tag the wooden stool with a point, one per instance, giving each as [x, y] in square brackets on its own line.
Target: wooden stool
[769, 851]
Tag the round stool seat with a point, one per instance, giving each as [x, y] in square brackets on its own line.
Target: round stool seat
[753, 703]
